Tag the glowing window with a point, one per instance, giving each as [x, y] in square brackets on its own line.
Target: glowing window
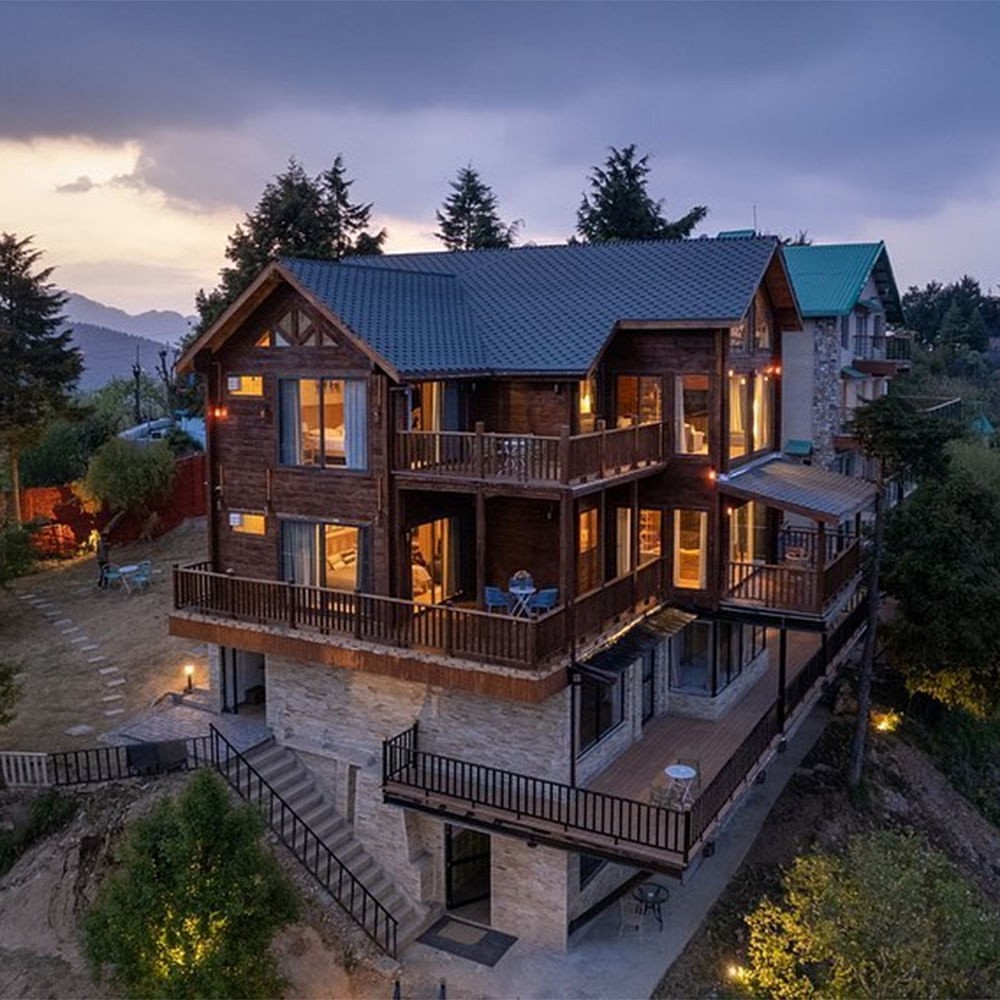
[690, 548]
[245, 523]
[245, 385]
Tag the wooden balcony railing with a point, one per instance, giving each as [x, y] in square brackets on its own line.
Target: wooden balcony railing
[794, 585]
[807, 540]
[529, 458]
[453, 631]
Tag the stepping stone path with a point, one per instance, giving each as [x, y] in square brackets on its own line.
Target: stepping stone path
[67, 628]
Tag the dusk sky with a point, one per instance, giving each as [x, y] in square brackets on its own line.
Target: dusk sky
[134, 136]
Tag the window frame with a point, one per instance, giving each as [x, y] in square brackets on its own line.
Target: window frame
[703, 548]
[681, 414]
[322, 464]
[240, 393]
[617, 708]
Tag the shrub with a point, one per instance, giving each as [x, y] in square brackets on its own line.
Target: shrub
[49, 812]
[16, 554]
[889, 918]
[194, 905]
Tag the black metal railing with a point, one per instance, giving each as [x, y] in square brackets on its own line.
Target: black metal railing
[349, 892]
[526, 797]
[87, 766]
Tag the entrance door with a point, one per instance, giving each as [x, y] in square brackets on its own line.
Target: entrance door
[467, 866]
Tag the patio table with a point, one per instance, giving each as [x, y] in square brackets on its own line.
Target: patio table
[652, 895]
[521, 603]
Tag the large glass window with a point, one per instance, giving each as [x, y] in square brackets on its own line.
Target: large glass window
[739, 416]
[323, 422]
[763, 412]
[650, 535]
[690, 548]
[586, 411]
[638, 398]
[691, 416]
[623, 541]
[323, 555]
[587, 577]
[601, 708]
[691, 669]
[434, 560]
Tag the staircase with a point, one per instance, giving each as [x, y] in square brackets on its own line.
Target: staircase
[288, 778]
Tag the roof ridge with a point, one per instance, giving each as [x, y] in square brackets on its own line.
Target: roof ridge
[356, 262]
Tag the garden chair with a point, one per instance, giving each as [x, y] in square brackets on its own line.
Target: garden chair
[140, 578]
[543, 600]
[112, 576]
[496, 600]
[632, 914]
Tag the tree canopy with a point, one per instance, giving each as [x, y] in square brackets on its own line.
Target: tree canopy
[39, 367]
[469, 219]
[973, 316]
[297, 215]
[942, 566]
[618, 206]
[888, 918]
[194, 905]
[129, 476]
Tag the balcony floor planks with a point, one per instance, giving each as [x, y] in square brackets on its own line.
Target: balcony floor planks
[710, 742]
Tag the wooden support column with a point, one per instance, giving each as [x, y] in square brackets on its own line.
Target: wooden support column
[782, 672]
[634, 540]
[567, 568]
[480, 547]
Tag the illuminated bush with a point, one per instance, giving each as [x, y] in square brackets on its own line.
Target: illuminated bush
[194, 905]
[889, 918]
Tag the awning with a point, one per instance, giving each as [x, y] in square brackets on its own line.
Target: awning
[872, 305]
[851, 373]
[607, 663]
[801, 489]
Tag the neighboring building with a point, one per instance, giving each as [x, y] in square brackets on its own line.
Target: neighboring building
[393, 439]
[849, 300]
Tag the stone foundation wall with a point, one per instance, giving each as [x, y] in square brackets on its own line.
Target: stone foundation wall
[529, 891]
[699, 706]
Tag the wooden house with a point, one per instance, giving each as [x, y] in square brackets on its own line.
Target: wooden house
[499, 535]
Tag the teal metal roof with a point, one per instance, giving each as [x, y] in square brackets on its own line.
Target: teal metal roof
[736, 234]
[537, 310]
[829, 278]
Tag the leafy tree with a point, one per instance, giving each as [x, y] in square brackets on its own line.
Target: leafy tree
[297, 215]
[130, 476]
[470, 219]
[943, 569]
[114, 402]
[889, 918]
[901, 439]
[38, 365]
[64, 449]
[925, 310]
[963, 328]
[619, 208]
[194, 905]
[16, 554]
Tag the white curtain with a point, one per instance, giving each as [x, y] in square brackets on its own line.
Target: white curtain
[356, 423]
[299, 553]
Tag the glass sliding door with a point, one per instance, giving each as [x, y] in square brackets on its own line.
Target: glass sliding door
[434, 560]
[690, 548]
[691, 414]
[587, 566]
[323, 555]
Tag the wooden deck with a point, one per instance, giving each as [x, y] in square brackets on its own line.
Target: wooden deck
[712, 743]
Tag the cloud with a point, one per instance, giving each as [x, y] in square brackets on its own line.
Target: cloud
[80, 186]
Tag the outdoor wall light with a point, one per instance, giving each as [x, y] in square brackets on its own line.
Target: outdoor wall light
[189, 674]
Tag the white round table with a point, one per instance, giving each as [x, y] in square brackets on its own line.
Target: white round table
[681, 779]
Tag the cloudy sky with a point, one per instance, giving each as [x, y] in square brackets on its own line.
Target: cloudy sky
[134, 136]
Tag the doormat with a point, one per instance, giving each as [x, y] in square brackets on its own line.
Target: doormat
[478, 944]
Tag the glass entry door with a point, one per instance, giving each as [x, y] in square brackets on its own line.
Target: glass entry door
[467, 866]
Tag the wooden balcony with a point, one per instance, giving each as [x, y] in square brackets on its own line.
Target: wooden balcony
[612, 816]
[529, 460]
[324, 615]
[808, 582]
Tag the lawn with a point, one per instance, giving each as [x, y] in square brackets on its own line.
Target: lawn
[91, 658]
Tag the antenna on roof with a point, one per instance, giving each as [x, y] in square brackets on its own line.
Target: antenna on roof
[755, 219]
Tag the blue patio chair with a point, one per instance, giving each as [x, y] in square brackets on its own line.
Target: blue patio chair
[496, 600]
[112, 576]
[139, 579]
[543, 600]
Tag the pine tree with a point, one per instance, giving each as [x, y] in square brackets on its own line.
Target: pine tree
[619, 208]
[39, 367]
[470, 220]
[298, 216]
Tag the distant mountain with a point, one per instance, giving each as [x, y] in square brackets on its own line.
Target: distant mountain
[164, 325]
[109, 354]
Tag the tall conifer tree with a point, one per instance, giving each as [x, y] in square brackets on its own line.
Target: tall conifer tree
[469, 219]
[619, 207]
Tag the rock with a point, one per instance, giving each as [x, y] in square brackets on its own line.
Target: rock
[894, 802]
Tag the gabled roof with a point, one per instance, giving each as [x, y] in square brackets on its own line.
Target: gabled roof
[829, 278]
[529, 310]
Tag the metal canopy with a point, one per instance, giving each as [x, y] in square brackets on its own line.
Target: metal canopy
[606, 664]
[801, 489]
